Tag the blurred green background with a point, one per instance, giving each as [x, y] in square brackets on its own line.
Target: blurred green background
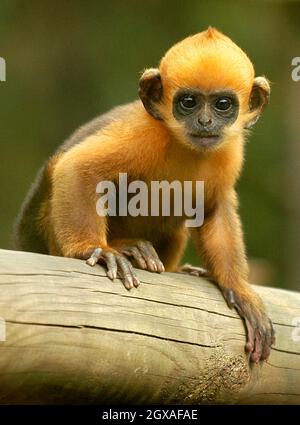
[68, 61]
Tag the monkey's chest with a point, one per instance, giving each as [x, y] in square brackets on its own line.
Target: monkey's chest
[143, 227]
[156, 209]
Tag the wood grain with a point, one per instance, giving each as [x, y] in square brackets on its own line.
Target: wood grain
[72, 336]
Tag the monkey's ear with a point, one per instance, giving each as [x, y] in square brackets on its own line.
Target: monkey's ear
[259, 98]
[150, 91]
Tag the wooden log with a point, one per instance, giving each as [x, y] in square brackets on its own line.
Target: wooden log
[73, 336]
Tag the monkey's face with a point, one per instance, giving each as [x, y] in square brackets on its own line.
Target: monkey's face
[204, 116]
[205, 91]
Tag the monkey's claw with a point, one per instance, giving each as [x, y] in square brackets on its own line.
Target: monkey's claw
[117, 265]
[260, 331]
[143, 254]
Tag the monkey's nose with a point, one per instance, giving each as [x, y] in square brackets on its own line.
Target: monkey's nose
[205, 122]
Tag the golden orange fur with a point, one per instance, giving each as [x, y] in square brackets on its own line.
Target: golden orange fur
[131, 140]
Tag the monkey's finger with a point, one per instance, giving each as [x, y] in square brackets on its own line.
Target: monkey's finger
[269, 341]
[127, 273]
[250, 323]
[147, 255]
[136, 254]
[155, 257]
[259, 343]
[124, 271]
[231, 300]
[267, 346]
[94, 258]
[255, 335]
[260, 337]
[250, 337]
[150, 255]
[111, 264]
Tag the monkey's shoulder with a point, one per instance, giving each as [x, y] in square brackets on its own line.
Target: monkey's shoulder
[99, 123]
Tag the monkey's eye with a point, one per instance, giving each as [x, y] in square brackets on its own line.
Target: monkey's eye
[187, 102]
[223, 103]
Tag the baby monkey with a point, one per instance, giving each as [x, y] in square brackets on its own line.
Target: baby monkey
[189, 125]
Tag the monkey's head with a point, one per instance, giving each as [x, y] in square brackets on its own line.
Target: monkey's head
[205, 90]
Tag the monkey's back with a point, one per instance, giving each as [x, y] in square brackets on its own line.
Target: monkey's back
[33, 220]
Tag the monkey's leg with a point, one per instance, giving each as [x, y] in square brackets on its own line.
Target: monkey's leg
[140, 252]
[220, 242]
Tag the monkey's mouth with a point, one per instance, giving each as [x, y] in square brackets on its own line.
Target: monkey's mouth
[205, 140]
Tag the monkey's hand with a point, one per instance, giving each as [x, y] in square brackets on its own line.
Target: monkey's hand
[116, 264]
[141, 253]
[260, 332]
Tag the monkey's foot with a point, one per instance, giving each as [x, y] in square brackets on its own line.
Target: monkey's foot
[260, 331]
[194, 271]
[117, 265]
[141, 253]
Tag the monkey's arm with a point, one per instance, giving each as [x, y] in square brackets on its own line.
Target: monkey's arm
[77, 230]
[172, 247]
[220, 242]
